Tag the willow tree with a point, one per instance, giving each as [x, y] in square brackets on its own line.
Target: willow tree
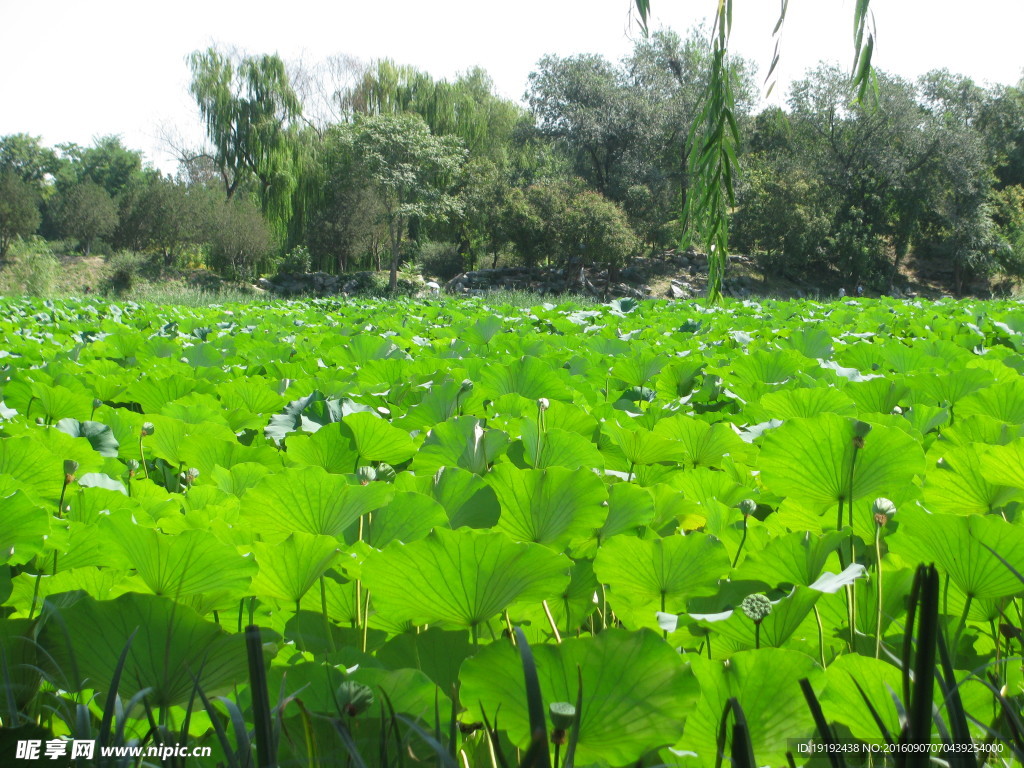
[251, 110]
[714, 135]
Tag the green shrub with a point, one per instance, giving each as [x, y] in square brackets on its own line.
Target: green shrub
[296, 262]
[441, 260]
[123, 271]
[33, 268]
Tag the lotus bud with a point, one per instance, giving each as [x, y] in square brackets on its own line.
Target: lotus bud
[897, 410]
[40, 421]
[133, 467]
[70, 467]
[860, 431]
[366, 475]
[756, 607]
[882, 509]
[563, 717]
[747, 507]
[543, 404]
[354, 698]
[467, 385]
[148, 429]
[96, 403]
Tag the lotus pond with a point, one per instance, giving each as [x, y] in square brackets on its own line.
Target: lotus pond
[700, 530]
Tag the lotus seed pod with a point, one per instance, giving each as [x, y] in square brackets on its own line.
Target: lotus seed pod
[563, 715]
[756, 607]
[132, 464]
[467, 385]
[747, 506]
[70, 466]
[40, 421]
[543, 404]
[354, 698]
[148, 428]
[366, 475]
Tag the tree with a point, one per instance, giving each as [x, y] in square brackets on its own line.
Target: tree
[28, 159]
[345, 225]
[250, 110]
[411, 171]
[19, 209]
[714, 135]
[87, 212]
[107, 163]
[241, 243]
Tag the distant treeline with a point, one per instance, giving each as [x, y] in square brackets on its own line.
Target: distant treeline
[352, 166]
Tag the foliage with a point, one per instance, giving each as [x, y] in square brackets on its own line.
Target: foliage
[241, 242]
[87, 213]
[341, 473]
[249, 108]
[19, 210]
[410, 170]
[33, 269]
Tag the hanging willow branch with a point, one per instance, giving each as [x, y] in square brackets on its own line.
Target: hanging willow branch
[714, 136]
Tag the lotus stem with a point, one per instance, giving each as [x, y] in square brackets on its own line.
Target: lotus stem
[551, 621]
[821, 637]
[878, 578]
[323, 612]
[954, 646]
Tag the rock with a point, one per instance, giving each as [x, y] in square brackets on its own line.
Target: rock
[676, 292]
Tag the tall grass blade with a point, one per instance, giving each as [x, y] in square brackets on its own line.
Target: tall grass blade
[265, 752]
[534, 702]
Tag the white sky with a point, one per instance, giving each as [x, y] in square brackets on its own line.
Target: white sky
[73, 70]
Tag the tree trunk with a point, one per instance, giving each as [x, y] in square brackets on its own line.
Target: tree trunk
[395, 242]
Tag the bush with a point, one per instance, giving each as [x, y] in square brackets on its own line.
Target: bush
[123, 271]
[241, 242]
[296, 262]
[33, 270]
[19, 211]
[441, 260]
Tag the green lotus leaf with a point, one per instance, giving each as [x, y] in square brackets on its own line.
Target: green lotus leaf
[191, 562]
[308, 414]
[766, 685]
[21, 677]
[530, 377]
[703, 444]
[461, 577]
[239, 478]
[289, 568]
[879, 395]
[548, 506]
[1002, 401]
[1003, 464]
[331, 448]
[661, 573]
[57, 402]
[309, 500]
[466, 498]
[810, 459]
[408, 516]
[461, 442]
[955, 544]
[558, 448]
[636, 692]
[205, 453]
[796, 559]
[629, 508]
[24, 527]
[956, 484]
[153, 393]
[639, 370]
[806, 402]
[842, 701]
[34, 469]
[171, 650]
[641, 446]
[436, 652]
[100, 436]
[376, 440]
[949, 388]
